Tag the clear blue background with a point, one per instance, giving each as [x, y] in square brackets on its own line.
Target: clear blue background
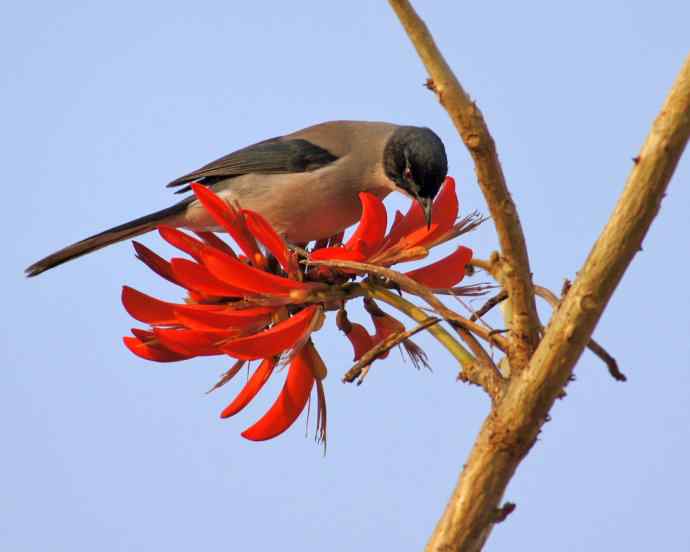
[103, 103]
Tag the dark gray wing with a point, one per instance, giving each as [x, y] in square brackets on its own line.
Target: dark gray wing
[276, 155]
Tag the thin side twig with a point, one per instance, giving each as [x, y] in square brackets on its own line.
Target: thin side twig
[610, 362]
[490, 304]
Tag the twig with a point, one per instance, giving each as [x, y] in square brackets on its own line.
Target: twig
[468, 120]
[490, 304]
[386, 345]
[513, 425]
[607, 359]
[504, 511]
[227, 376]
[551, 298]
[485, 265]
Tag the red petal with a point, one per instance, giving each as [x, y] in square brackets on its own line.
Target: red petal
[152, 352]
[372, 226]
[188, 342]
[250, 279]
[385, 326]
[360, 339]
[201, 319]
[263, 230]
[275, 340]
[444, 273]
[339, 253]
[404, 224]
[184, 242]
[156, 263]
[142, 335]
[444, 213]
[251, 388]
[214, 241]
[196, 277]
[289, 404]
[147, 309]
[226, 215]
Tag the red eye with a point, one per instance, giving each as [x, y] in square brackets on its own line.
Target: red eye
[407, 174]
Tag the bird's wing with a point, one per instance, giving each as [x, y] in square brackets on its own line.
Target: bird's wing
[277, 155]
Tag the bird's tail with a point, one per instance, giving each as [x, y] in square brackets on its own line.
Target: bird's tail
[113, 235]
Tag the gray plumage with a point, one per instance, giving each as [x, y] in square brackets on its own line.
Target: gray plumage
[305, 183]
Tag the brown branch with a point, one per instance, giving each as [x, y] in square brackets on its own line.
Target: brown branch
[511, 429]
[384, 346]
[490, 304]
[551, 298]
[607, 359]
[468, 120]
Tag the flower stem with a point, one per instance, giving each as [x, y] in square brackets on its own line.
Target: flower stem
[462, 355]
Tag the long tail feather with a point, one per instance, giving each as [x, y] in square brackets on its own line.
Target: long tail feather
[113, 235]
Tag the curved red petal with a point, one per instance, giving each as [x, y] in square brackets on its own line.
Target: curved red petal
[371, 230]
[289, 404]
[214, 241]
[142, 335]
[226, 215]
[445, 273]
[147, 309]
[275, 340]
[339, 253]
[385, 326]
[444, 213]
[251, 388]
[404, 224]
[155, 262]
[183, 242]
[188, 342]
[263, 230]
[196, 277]
[152, 352]
[214, 320]
[237, 274]
[360, 339]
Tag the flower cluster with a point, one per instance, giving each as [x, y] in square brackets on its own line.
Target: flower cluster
[265, 301]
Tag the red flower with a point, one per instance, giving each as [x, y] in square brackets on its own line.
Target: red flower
[252, 305]
[409, 238]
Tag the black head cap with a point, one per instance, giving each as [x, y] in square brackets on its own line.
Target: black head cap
[415, 160]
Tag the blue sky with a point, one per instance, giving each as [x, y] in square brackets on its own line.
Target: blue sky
[102, 104]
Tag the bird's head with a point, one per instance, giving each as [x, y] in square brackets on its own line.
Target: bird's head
[414, 159]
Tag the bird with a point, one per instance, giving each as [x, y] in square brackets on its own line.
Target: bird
[306, 184]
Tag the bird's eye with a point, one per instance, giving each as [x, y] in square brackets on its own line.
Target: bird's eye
[407, 174]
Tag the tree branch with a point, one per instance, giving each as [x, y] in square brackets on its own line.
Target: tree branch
[551, 298]
[468, 120]
[511, 429]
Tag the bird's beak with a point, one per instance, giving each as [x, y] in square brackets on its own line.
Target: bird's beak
[427, 205]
